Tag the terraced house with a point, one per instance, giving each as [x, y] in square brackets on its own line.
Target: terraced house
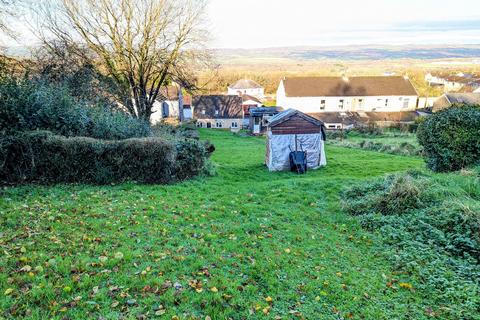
[343, 94]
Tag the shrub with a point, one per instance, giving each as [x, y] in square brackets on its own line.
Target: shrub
[396, 194]
[451, 138]
[27, 104]
[47, 158]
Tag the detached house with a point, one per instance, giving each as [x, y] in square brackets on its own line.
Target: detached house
[218, 111]
[247, 87]
[342, 94]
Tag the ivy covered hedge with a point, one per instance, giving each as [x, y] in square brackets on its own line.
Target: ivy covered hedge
[44, 157]
[451, 138]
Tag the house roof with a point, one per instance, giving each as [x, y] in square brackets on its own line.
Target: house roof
[259, 111]
[168, 93]
[245, 84]
[463, 98]
[247, 97]
[217, 107]
[287, 114]
[348, 118]
[354, 86]
[466, 79]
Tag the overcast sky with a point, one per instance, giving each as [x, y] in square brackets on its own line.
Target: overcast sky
[279, 23]
[267, 23]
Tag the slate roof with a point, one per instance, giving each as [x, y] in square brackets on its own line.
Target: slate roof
[466, 98]
[354, 86]
[245, 84]
[218, 107]
[259, 111]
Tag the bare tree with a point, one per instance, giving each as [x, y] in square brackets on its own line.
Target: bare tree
[142, 44]
[8, 10]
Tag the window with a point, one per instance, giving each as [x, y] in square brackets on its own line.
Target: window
[331, 126]
[216, 111]
[203, 111]
[199, 124]
[341, 103]
[218, 124]
[322, 104]
[361, 103]
[386, 102]
[406, 102]
[234, 124]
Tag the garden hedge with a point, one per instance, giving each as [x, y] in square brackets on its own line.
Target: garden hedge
[43, 157]
[451, 138]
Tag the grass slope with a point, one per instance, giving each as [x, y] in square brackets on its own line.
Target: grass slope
[219, 246]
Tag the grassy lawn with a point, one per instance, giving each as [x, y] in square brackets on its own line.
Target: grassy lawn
[387, 138]
[243, 244]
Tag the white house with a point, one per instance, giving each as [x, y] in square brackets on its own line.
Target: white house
[167, 105]
[342, 94]
[248, 87]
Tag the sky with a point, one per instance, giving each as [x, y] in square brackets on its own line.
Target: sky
[279, 23]
[286, 23]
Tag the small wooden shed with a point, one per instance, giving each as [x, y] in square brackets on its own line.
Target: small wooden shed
[293, 130]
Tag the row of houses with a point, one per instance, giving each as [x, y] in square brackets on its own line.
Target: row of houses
[339, 102]
[458, 82]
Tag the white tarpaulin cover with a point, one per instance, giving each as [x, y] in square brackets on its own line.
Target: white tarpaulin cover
[279, 147]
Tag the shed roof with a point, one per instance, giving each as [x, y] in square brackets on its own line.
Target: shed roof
[287, 114]
[354, 86]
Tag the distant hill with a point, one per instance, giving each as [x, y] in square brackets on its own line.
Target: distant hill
[351, 53]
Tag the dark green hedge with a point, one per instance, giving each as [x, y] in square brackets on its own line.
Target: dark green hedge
[451, 138]
[43, 157]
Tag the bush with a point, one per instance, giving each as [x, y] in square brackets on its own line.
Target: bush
[451, 138]
[395, 194]
[47, 158]
[426, 234]
[27, 104]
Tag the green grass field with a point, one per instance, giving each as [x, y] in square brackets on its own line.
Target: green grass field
[245, 243]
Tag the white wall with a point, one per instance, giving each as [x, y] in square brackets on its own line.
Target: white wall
[157, 109]
[426, 102]
[258, 93]
[332, 104]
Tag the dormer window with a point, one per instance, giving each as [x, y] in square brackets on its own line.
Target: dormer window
[217, 111]
[203, 111]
